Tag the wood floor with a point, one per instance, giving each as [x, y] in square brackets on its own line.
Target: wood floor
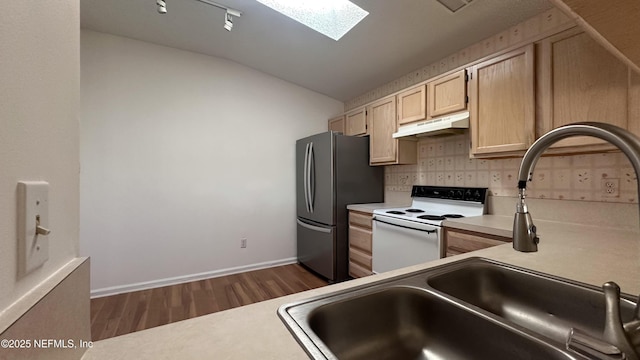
[125, 313]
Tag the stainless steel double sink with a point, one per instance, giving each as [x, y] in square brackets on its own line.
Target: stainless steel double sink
[470, 309]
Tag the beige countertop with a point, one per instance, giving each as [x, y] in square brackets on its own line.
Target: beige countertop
[588, 254]
[488, 224]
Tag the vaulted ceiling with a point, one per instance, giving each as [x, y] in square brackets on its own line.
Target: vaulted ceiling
[397, 37]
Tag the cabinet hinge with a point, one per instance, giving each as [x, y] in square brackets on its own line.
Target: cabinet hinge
[466, 77]
[466, 99]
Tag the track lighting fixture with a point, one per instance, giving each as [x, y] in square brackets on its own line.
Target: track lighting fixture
[228, 16]
[162, 6]
[228, 21]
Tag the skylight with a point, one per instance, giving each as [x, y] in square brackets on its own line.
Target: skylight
[332, 18]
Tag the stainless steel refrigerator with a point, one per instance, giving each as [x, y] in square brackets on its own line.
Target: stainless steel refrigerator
[332, 171]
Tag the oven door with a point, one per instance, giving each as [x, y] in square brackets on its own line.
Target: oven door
[400, 243]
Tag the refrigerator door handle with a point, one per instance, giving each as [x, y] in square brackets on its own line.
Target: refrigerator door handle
[314, 228]
[311, 177]
[306, 177]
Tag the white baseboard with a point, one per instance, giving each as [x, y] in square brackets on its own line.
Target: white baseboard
[114, 290]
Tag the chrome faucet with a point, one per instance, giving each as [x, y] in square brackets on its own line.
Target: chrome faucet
[525, 238]
[624, 337]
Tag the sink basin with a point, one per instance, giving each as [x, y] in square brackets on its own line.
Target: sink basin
[547, 305]
[470, 309]
[409, 323]
[403, 318]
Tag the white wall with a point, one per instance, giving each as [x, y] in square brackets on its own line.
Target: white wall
[39, 95]
[183, 155]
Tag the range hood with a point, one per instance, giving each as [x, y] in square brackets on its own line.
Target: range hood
[452, 124]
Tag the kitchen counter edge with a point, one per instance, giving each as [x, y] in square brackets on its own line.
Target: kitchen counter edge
[588, 254]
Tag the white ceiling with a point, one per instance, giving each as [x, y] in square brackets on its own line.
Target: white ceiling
[397, 37]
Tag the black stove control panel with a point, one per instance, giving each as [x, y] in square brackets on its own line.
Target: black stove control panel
[450, 193]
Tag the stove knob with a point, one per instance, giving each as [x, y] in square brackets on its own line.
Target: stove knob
[450, 194]
[459, 194]
[478, 196]
[468, 195]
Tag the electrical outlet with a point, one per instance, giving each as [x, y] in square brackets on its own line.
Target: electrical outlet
[243, 243]
[610, 187]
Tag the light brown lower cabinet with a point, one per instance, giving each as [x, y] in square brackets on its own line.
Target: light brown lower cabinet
[360, 244]
[463, 241]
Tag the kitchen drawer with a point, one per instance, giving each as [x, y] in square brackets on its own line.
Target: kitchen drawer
[358, 271]
[360, 219]
[459, 242]
[360, 258]
[360, 235]
[360, 238]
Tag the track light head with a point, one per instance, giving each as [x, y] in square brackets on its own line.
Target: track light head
[234, 12]
[228, 16]
[228, 21]
[162, 6]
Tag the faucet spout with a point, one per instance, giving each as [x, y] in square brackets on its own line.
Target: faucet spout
[523, 227]
[525, 238]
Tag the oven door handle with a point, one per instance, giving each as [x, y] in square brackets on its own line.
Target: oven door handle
[406, 227]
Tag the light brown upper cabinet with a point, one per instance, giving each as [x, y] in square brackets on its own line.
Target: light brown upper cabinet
[579, 80]
[634, 103]
[337, 124]
[412, 105]
[384, 149]
[615, 27]
[502, 100]
[448, 94]
[356, 122]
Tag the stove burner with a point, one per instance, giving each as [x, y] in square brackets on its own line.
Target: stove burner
[453, 216]
[395, 212]
[414, 211]
[431, 217]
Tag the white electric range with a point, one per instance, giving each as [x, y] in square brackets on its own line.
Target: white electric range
[412, 235]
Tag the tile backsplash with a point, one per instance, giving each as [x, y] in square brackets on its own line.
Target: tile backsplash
[445, 161]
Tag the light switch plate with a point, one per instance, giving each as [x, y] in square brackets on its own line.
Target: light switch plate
[33, 204]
